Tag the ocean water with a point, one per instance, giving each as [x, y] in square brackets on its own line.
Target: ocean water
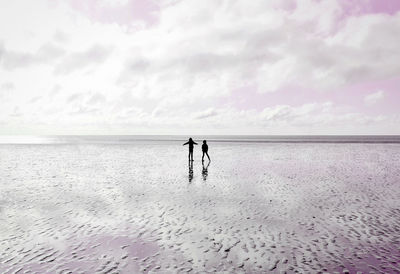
[129, 139]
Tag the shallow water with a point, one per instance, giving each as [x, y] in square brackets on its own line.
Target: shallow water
[140, 207]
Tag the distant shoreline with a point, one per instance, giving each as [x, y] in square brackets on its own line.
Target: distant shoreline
[131, 139]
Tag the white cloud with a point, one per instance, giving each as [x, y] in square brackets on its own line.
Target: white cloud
[78, 60]
[80, 70]
[272, 48]
[7, 86]
[205, 114]
[373, 98]
[45, 54]
[108, 3]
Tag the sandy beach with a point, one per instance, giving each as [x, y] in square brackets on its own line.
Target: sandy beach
[256, 208]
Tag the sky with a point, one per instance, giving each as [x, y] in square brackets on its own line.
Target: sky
[199, 67]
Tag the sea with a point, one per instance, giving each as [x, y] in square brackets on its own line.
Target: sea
[132, 139]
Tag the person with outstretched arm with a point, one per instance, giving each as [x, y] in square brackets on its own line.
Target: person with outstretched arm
[190, 143]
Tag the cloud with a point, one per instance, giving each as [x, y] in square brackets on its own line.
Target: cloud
[96, 54]
[304, 114]
[373, 98]
[74, 97]
[177, 65]
[7, 86]
[125, 12]
[271, 48]
[35, 99]
[55, 90]
[60, 37]
[96, 98]
[11, 59]
[47, 53]
[205, 114]
[2, 50]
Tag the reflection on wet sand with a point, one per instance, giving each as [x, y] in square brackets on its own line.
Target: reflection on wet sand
[204, 172]
[190, 171]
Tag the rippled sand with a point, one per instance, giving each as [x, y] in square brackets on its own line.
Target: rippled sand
[256, 208]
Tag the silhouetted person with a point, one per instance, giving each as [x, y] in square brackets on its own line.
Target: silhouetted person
[204, 172]
[190, 143]
[204, 148]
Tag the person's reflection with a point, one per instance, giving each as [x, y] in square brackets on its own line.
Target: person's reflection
[205, 171]
[190, 171]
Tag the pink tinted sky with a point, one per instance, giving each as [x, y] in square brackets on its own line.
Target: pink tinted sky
[126, 13]
[370, 6]
[348, 96]
[187, 64]
[147, 11]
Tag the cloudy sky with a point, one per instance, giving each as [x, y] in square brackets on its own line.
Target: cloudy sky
[199, 67]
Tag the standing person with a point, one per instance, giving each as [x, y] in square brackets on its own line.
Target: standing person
[190, 143]
[204, 148]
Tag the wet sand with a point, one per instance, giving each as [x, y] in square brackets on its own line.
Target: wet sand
[256, 208]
